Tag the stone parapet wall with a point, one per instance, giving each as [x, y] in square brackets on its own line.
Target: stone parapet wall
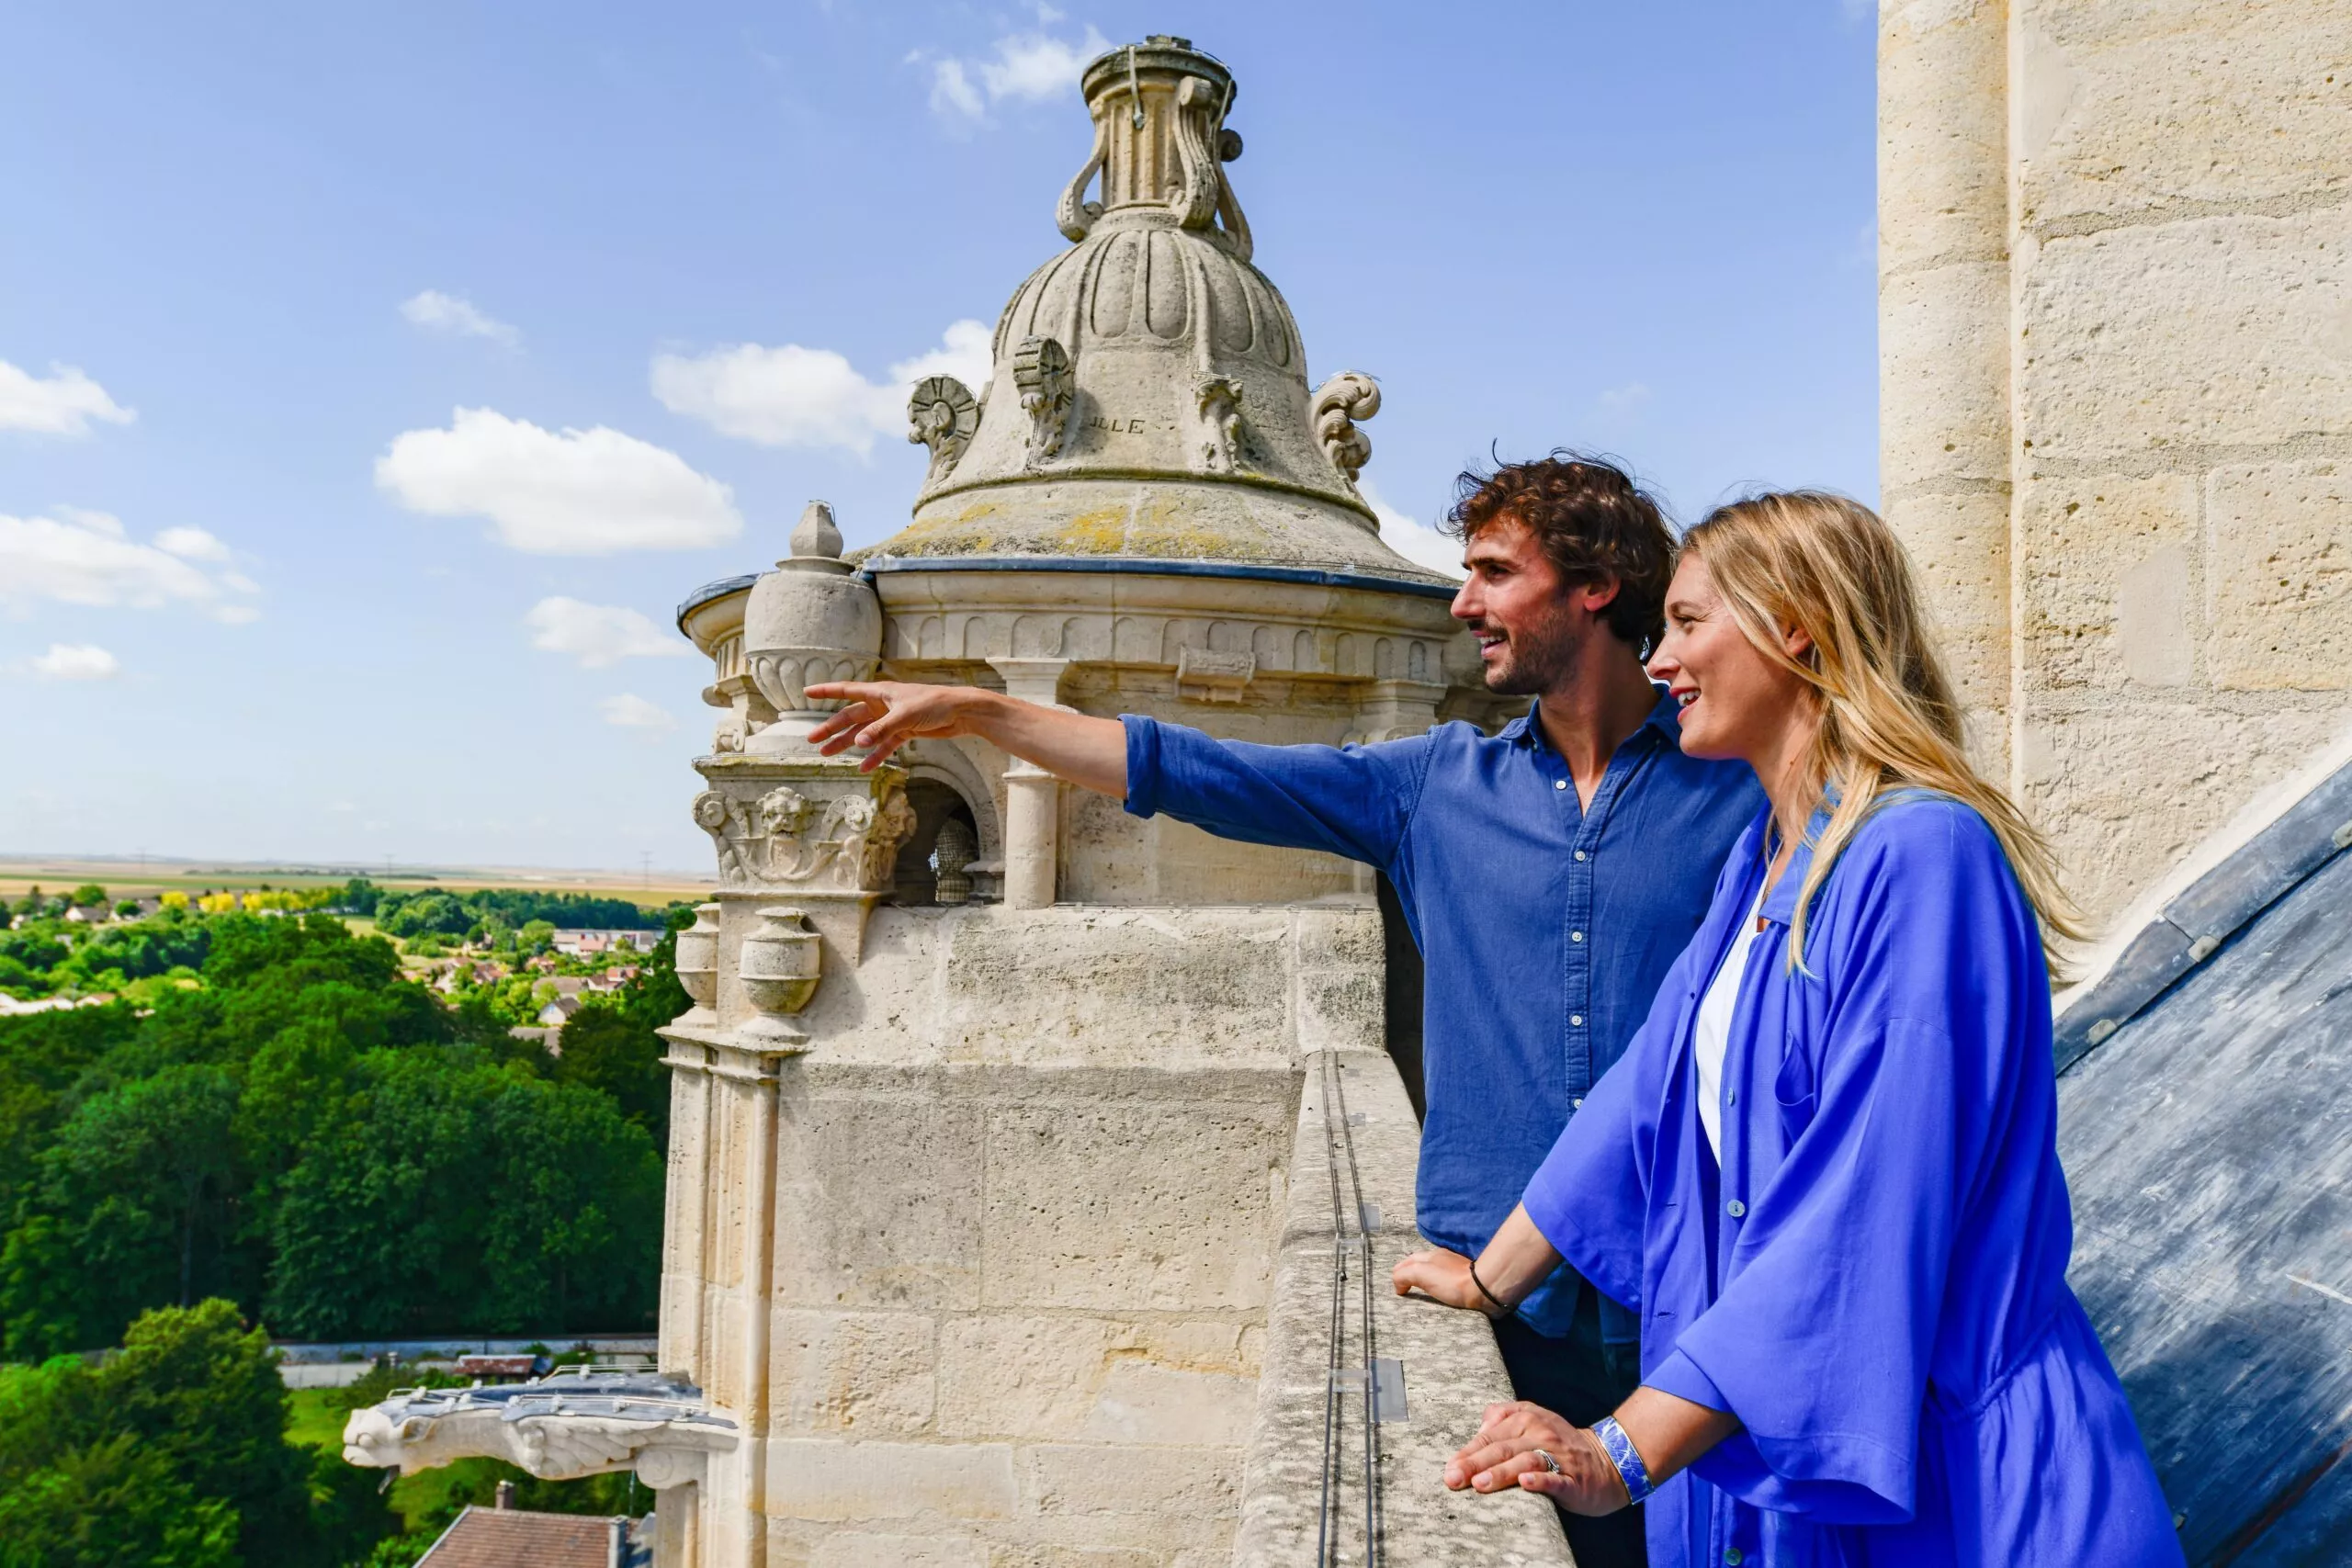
[1297, 1490]
[2116, 325]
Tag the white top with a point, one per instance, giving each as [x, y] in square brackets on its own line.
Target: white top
[1713, 1032]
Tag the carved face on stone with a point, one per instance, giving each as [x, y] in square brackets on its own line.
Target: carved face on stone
[783, 812]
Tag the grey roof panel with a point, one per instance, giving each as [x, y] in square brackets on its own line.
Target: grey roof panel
[2209, 1147]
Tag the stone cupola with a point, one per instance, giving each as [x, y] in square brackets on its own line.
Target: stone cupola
[1149, 396]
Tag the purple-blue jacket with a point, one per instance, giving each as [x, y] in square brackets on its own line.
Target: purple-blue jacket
[1874, 1280]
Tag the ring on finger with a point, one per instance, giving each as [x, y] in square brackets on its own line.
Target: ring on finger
[1548, 1461]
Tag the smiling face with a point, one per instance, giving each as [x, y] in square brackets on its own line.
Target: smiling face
[1531, 631]
[1733, 701]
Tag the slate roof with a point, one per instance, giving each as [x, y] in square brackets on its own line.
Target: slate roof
[515, 1538]
[2207, 1136]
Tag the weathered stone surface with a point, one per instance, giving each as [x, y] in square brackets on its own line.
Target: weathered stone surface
[1942, 133]
[857, 1549]
[2165, 103]
[1102, 1478]
[2108, 581]
[1944, 375]
[2281, 569]
[878, 1201]
[858, 1373]
[1185, 1231]
[2211, 332]
[2126, 788]
[1068, 1376]
[819, 1478]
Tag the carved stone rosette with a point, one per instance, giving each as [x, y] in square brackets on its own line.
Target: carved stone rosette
[941, 414]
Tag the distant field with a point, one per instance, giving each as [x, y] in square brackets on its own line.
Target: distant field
[128, 878]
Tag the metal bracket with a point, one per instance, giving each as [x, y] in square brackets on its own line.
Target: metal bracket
[1387, 1376]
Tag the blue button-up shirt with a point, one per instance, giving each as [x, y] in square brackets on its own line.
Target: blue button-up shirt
[1545, 926]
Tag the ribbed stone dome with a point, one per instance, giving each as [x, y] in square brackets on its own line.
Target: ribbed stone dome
[1150, 395]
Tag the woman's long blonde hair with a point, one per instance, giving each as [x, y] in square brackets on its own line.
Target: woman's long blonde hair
[1831, 568]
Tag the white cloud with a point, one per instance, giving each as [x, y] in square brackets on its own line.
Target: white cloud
[569, 493]
[633, 712]
[195, 544]
[439, 312]
[1026, 67]
[793, 396]
[1417, 542]
[76, 661]
[599, 635]
[1632, 395]
[86, 557]
[64, 404]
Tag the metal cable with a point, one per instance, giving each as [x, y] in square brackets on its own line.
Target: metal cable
[1339, 1140]
[1324, 1547]
[1371, 1553]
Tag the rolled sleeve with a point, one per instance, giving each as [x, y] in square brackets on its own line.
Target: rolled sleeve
[1679, 1376]
[1143, 765]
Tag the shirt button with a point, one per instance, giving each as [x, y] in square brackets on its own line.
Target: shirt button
[1575, 936]
[1577, 1104]
[1735, 1208]
[1580, 855]
[1731, 1097]
[1734, 1557]
[1559, 784]
[1576, 1019]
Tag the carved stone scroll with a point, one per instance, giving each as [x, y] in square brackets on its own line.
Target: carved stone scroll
[1219, 400]
[1048, 391]
[1073, 214]
[941, 414]
[1341, 402]
[1197, 107]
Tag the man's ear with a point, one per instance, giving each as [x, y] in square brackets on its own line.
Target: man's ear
[1597, 594]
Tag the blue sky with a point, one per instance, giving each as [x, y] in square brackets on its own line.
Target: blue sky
[375, 378]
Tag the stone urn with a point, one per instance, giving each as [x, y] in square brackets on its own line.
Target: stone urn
[809, 620]
[697, 966]
[779, 966]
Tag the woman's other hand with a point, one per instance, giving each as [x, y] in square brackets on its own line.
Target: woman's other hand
[1506, 1452]
[1441, 1276]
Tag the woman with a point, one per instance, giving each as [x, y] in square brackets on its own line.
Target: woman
[1826, 1171]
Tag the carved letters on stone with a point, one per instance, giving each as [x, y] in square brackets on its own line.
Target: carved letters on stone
[1341, 402]
[1042, 373]
[846, 843]
[942, 415]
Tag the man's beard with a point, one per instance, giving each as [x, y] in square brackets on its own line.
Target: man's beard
[1538, 662]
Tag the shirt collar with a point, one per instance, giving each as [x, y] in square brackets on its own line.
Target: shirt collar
[1524, 731]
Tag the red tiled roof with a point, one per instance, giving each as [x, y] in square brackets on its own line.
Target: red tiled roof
[512, 1538]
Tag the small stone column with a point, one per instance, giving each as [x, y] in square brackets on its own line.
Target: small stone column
[1032, 807]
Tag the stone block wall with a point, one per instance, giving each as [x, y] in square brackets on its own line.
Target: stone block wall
[2116, 353]
[1027, 1194]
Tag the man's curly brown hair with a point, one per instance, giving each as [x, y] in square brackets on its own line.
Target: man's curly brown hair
[1595, 523]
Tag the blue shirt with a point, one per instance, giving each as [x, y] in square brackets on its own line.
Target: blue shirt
[1544, 927]
[1873, 1278]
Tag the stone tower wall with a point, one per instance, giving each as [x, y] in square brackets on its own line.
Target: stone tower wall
[2116, 358]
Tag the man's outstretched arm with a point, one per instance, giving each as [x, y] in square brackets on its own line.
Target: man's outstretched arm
[882, 715]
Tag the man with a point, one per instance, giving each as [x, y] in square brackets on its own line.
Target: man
[1550, 873]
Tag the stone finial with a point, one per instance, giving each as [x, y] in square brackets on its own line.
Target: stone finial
[1341, 402]
[941, 414]
[816, 535]
[1159, 140]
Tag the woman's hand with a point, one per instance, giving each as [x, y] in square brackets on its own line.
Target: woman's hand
[1505, 1452]
[1441, 1276]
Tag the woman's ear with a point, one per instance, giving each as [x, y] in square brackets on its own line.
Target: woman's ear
[1799, 644]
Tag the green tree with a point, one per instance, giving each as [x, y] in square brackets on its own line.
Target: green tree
[89, 895]
[130, 1211]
